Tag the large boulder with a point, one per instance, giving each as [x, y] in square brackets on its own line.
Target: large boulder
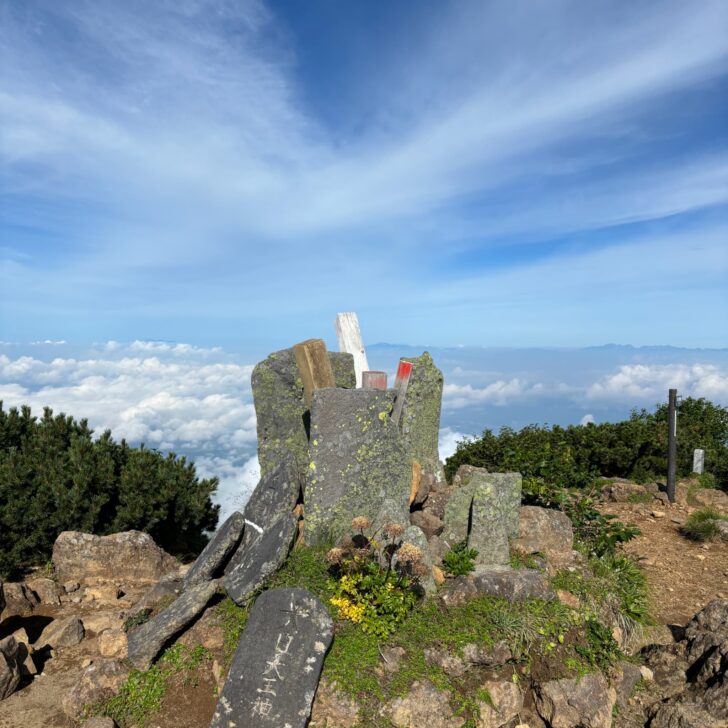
[545, 531]
[281, 410]
[9, 666]
[131, 555]
[19, 600]
[358, 460]
[420, 422]
[276, 667]
[586, 702]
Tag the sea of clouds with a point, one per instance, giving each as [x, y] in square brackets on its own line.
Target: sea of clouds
[197, 401]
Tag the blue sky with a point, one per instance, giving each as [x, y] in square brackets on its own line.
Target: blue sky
[480, 173]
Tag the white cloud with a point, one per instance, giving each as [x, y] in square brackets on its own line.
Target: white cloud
[649, 382]
[497, 393]
[449, 439]
[586, 420]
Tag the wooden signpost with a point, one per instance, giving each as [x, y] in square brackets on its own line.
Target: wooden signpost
[314, 365]
[401, 382]
[349, 338]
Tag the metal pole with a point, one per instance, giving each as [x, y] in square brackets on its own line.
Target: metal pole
[671, 444]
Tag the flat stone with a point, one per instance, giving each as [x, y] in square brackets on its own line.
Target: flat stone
[281, 410]
[9, 667]
[215, 555]
[275, 495]
[65, 632]
[261, 560]
[513, 584]
[276, 667]
[545, 531]
[358, 460]
[586, 702]
[146, 641]
[420, 422]
[489, 528]
[166, 590]
[506, 703]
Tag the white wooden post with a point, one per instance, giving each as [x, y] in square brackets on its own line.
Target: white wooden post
[349, 336]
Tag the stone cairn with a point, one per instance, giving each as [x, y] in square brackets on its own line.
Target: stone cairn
[330, 451]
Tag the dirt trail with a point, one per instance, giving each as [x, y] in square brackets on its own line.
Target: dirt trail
[683, 575]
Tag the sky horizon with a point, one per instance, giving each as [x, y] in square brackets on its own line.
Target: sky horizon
[233, 172]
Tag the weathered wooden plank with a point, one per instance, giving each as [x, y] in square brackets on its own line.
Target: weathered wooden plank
[314, 366]
[374, 380]
[349, 338]
[401, 382]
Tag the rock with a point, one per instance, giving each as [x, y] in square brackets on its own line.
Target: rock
[416, 537]
[65, 632]
[146, 641]
[622, 491]
[131, 555]
[282, 413]
[627, 676]
[20, 601]
[104, 594]
[358, 460]
[46, 590]
[507, 703]
[722, 527]
[458, 591]
[99, 681]
[513, 584]
[420, 422]
[430, 524]
[163, 593]
[113, 643]
[2, 598]
[710, 498]
[9, 667]
[391, 657]
[275, 495]
[97, 622]
[99, 721]
[546, 531]
[683, 715]
[484, 511]
[276, 667]
[569, 702]
[484, 656]
[450, 664]
[215, 555]
[658, 514]
[71, 586]
[332, 709]
[568, 599]
[423, 705]
[646, 674]
[24, 657]
[261, 560]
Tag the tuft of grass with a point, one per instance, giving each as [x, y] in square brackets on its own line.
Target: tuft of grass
[232, 620]
[459, 560]
[643, 497]
[519, 560]
[702, 525]
[706, 480]
[142, 695]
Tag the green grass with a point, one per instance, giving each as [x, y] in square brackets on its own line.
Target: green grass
[702, 525]
[142, 695]
[640, 497]
[525, 561]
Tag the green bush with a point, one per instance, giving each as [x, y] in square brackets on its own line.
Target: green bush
[635, 448]
[55, 477]
[702, 525]
[459, 560]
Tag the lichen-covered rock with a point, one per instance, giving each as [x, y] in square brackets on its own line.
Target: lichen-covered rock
[65, 632]
[100, 681]
[687, 714]
[586, 702]
[513, 584]
[430, 524]
[146, 641]
[332, 708]
[546, 531]
[424, 705]
[449, 663]
[281, 410]
[131, 555]
[506, 702]
[420, 423]
[215, 555]
[9, 666]
[358, 460]
[489, 525]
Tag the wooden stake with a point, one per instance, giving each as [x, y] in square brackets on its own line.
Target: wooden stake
[314, 366]
[401, 382]
[349, 338]
[374, 380]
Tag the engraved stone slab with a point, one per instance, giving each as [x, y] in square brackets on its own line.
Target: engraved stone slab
[280, 407]
[261, 560]
[358, 460]
[217, 551]
[276, 668]
[698, 461]
[276, 493]
[146, 641]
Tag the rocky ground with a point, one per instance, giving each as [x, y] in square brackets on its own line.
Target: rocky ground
[68, 635]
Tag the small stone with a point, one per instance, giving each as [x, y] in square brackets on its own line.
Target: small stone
[71, 586]
[332, 708]
[498, 654]
[647, 674]
[513, 584]
[65, 632]
[506, 702]
[391, 657]
[658, 514]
